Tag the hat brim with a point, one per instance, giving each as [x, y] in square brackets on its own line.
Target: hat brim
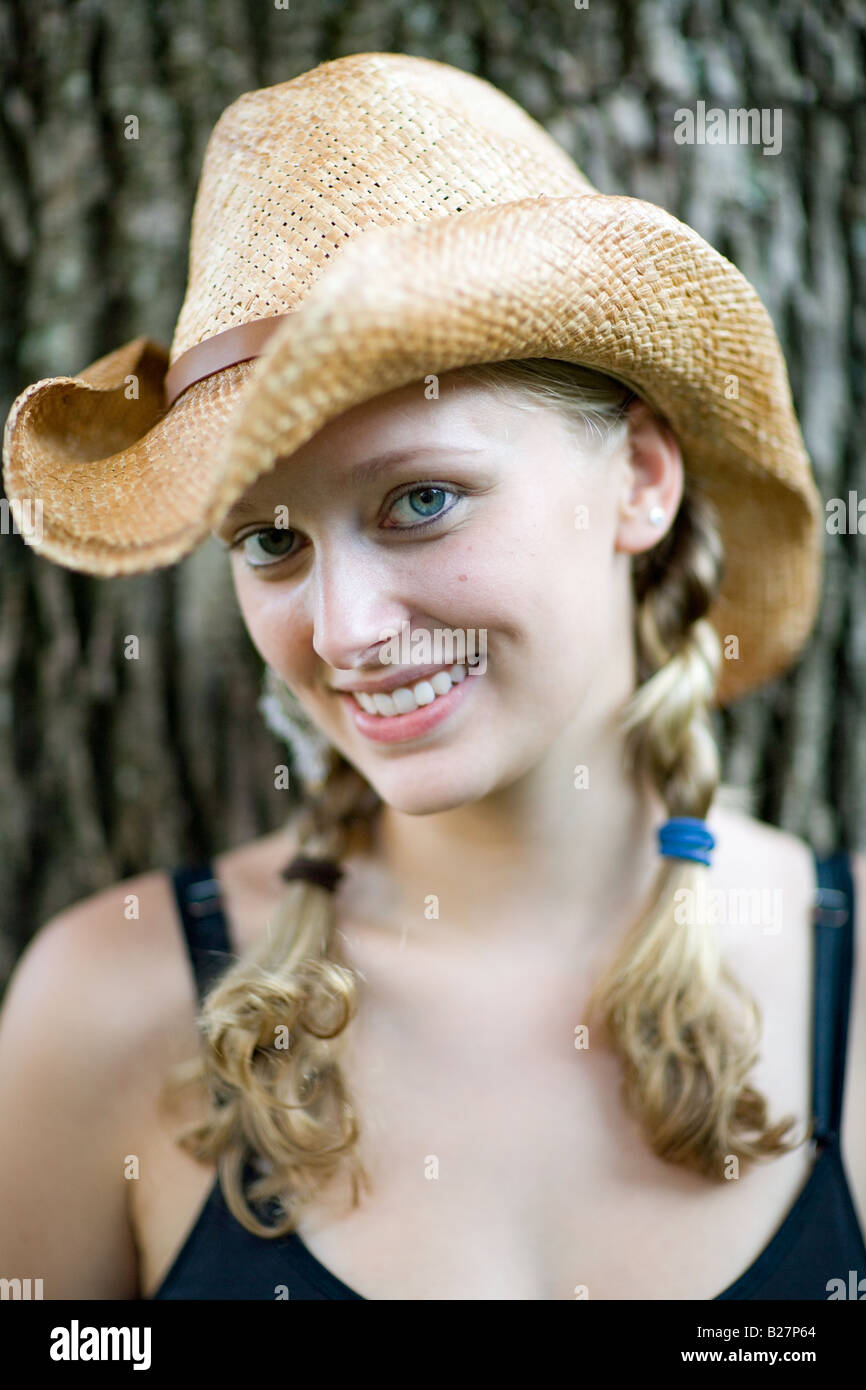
[611, 282]
[123, 483]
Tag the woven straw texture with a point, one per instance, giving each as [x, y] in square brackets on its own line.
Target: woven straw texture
[413, 219]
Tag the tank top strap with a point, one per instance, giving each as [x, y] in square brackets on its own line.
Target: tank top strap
[205, 929]
[834, 917]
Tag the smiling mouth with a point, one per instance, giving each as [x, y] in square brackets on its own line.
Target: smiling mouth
[410, 697]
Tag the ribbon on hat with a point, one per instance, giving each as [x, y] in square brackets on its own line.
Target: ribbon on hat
[237, 344]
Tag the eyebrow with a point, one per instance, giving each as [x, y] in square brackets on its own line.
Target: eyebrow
[361, 473]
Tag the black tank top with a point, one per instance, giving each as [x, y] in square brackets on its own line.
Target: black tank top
[820, 1239]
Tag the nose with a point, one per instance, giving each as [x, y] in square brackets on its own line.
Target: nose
[355, 604]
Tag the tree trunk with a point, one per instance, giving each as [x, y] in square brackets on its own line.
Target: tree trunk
[113, 766]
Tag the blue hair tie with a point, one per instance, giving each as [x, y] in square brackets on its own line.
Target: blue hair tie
[686, 837]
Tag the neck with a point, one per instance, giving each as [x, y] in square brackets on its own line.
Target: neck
[538, 865]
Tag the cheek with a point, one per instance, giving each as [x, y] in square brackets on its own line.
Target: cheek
[528, 554]
[553, 573]
[472, 585]
[268, 618]
[552, 588]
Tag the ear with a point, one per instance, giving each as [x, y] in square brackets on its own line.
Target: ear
[652, 477]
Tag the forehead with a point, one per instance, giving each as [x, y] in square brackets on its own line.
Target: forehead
[451, 416]
[433, 410]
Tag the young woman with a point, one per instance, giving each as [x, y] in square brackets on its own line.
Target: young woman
[515, 1006]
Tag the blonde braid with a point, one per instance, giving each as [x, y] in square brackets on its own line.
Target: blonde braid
[685, 1050]
[271, 1028]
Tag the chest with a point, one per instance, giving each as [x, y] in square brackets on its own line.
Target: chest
[498, 1174]
[503, 1164]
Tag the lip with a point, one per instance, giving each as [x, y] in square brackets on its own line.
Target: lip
[399, 728]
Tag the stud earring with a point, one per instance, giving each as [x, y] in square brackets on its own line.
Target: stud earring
[657, 516]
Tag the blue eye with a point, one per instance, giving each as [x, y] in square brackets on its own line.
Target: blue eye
[428, 508]
[275, 534]
[430, 505]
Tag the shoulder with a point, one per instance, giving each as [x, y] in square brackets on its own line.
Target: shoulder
[761, 892]
[744, 839]
[101, 962]
[120, 952]
[772, 871]
[780, 965]
[81, 1000]
[753, 851]
[98, 1006]
[133, 926]
[83, 941]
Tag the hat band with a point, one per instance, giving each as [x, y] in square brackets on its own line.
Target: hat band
[237, 344]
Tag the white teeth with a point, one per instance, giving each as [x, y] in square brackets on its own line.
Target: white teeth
[409, 697]
[403, 700]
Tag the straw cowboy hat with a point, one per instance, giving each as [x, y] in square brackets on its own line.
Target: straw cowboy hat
[384, 217]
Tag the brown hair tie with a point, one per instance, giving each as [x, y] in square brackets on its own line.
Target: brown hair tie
[324, 872]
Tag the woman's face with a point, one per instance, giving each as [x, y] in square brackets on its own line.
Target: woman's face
[460, 515]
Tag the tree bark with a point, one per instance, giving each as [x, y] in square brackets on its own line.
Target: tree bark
[113, 766]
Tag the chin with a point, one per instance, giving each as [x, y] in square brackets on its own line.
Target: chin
[418, 795]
